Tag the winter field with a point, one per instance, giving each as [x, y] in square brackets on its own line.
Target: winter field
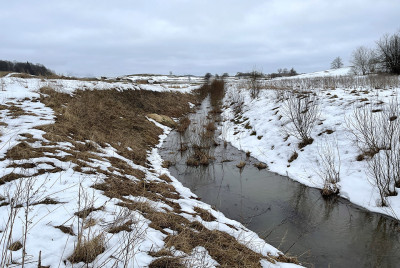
[328, 130]
[70, 195]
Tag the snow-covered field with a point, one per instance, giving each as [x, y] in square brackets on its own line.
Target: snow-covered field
[47, 192]
[259, 130]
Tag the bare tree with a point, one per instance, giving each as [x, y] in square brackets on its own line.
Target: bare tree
[207, 77]
[363, 60]
[389, 52]
[337, 63]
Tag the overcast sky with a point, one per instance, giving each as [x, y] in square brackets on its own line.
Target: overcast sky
[190, 36]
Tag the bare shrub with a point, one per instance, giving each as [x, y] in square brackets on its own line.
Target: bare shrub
[301, 109]
[383, 170]
[217, 93]
[236, 100]
[363, 126]
[131, 233]
[6, 240]
[378, 137]
[19, 195]
[281, 94]
[346, 81]
[201, 141]
[329, 166]
[254, 83]
[2, 84]
[374, 131]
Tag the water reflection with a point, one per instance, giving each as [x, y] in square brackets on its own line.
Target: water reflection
[290, 216]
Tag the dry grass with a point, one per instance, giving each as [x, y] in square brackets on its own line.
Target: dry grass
[167, 262]
[204, 214]
[163, 119]
[23, 75]
[293, 157]
[222, 247]
[10, 177]
[241, 164]
[23, 151]
[225, 249]
[87, 250]
[46, 201]
[118, 187]
[285, 258]
[167, 163]
[183, 124]
[199, 157]
[165, 178]
[114, 117]
[65, 229]
[85, 212]
[22, 165]
[260, 165]
[122, 227]
[15, 111]
[15, 246]
[4, 73]
[210, 127]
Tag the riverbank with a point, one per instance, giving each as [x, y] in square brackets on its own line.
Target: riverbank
[263, 127]
[82, 181]
[290, 216]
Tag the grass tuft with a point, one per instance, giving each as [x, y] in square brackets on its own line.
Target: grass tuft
[87, 250]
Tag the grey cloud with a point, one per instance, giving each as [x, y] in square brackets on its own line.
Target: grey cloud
[121, 37]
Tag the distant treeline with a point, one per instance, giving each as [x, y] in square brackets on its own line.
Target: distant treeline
[281, 73]
[24, 67]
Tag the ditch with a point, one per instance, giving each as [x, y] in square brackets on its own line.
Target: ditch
[292, 217]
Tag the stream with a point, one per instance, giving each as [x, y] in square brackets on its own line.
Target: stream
[290, 216]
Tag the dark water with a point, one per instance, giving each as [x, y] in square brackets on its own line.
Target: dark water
[288, 215]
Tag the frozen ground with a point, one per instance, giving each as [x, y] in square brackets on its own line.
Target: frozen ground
[258, 129]
[47, 193]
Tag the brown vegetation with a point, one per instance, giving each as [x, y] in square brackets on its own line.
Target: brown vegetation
[260, 165]
[93, 119]
[114, 117]
[241, 164]
[87, 250]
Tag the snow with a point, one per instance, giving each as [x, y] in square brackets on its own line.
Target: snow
[331, 72]
[21, 86]
[73, 190]
[266, 117]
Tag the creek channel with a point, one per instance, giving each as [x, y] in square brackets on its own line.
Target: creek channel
[288, 215]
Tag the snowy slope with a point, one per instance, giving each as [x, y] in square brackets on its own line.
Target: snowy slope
[331, 72]
[259, 130]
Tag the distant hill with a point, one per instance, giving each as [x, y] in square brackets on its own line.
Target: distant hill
[24, 67]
